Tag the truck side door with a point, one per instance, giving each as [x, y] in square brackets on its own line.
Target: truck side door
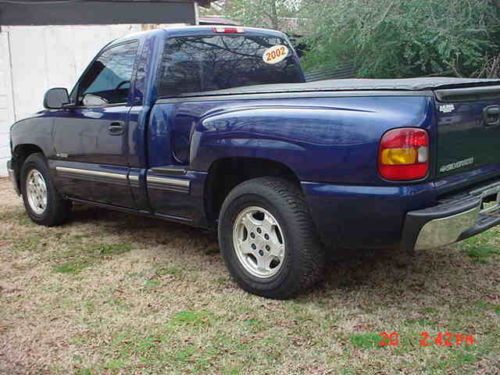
[91, 137]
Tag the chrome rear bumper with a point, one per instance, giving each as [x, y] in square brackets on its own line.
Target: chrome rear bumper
[454, 219]
[439, 232]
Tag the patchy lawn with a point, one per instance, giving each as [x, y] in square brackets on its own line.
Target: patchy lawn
[111, 293]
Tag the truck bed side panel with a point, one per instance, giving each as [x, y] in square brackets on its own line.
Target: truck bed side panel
[319, 139]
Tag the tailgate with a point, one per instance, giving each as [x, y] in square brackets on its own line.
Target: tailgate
[468, 129]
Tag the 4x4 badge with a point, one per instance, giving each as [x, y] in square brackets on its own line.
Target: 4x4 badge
[458, 164]
[447, 108]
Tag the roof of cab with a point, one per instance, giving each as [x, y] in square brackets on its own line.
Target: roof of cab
[202, 30]
[192, 31]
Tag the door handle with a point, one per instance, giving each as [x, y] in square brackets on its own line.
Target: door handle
[491, 115]
[116, 128]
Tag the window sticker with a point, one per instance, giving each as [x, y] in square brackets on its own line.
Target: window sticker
[275, 54]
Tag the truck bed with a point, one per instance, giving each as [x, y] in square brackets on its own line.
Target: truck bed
[405, 84]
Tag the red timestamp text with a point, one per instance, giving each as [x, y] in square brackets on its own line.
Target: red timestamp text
[448, 339]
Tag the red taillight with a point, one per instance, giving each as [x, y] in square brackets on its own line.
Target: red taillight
[404, 154]
[228, 30]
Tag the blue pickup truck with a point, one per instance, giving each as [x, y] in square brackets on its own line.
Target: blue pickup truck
[216, 127]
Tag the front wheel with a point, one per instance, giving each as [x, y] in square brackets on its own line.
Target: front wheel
[43, 203]
[268, 239]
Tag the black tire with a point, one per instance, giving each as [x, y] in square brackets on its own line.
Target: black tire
[304, 259]
[57, 209]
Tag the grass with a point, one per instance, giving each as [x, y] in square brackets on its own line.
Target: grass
[481, 254]
[114, 294]
[366, 340]
[190, 318]
[72, 266]
[82, 256]
[483, 248]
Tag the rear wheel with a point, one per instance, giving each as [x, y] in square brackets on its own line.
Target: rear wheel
[43, 203]
[268, 240]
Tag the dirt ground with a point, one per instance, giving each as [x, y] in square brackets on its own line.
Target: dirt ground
[109, 293]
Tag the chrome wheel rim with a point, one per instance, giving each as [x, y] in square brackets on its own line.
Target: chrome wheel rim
[36, 191]
[259, 242]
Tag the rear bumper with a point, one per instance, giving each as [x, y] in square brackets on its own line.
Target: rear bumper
[12, 177]
[453, 219]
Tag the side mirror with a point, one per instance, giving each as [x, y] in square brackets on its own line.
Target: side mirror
[56, 98]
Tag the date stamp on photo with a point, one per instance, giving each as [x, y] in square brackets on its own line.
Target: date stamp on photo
[448, 339]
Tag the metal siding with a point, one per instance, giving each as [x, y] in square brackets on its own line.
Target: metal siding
[6, 105]
[342, 72]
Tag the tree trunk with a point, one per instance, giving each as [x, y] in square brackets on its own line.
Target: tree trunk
[274, 15]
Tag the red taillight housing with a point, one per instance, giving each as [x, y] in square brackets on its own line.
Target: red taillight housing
[228, 30]
[404, 154]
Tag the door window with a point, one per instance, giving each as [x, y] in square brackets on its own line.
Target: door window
[107, 81]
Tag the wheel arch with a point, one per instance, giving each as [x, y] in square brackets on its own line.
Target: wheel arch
[226, 173]
[19, 155]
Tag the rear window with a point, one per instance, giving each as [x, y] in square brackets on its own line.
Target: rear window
[204, 63]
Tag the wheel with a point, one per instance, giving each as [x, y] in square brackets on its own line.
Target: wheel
[43, 203]
[268, 240]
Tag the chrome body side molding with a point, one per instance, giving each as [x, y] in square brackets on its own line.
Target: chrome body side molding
[178, 185]
[92, 175]
[175, 184]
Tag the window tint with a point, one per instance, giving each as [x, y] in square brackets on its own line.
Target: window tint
[203, 63]
[108, 78]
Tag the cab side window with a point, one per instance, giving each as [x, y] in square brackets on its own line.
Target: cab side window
[107, 81]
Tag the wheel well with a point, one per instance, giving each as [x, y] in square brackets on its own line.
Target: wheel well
[225, 174]
[21, 152]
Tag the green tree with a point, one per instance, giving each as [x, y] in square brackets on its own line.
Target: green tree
[404, 38]
[273, 14]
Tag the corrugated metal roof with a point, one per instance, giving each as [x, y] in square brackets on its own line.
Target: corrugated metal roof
[82, 12]
[348, 71]
[217, 20]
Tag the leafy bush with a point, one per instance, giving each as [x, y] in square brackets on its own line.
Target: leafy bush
[405, 38]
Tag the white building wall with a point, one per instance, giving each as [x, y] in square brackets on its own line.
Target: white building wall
[6, 103]
[36, 58]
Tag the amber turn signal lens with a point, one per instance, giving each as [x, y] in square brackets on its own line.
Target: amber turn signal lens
[399, 156]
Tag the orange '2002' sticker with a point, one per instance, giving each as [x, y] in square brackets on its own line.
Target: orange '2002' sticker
[275, 54]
